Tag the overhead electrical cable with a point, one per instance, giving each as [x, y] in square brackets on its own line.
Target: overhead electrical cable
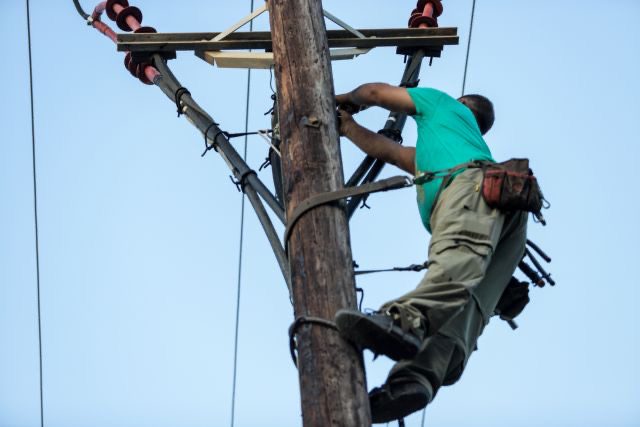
[241, 243]
[82, 13]
[466, 62]
[35, 209]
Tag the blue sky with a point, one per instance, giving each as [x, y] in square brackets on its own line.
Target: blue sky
[139, 235]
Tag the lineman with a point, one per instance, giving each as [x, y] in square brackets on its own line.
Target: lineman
[474, 249]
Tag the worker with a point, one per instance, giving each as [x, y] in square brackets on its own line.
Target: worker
[474, 249]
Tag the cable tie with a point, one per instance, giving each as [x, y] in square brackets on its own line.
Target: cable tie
[213, 145]
[178, 97]
[361, 291]
[265, 164]
[242, 181]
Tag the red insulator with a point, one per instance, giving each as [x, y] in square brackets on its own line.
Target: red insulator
[130, 65]
[424, 22]
[140, 73]
[129, 18]
[413, 17]
[113, 7]
[145, 30]
[435, 4]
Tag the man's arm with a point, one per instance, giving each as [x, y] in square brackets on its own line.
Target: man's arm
[383, 95]
[376, 145]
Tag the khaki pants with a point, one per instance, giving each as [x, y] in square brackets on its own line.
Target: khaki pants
[473, 252]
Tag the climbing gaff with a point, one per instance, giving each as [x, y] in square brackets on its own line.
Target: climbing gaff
[393, 126]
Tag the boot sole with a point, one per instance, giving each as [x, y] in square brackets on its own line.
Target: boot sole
[392, 341]
[395, 408]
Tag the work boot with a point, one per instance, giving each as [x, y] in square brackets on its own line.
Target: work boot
[379, 333]
[394, 401]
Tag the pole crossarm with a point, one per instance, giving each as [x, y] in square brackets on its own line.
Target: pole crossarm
[398, 37]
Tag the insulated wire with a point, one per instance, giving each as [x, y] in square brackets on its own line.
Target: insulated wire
[466, 62]
[242, 209]
[35, 209]
[82, 13]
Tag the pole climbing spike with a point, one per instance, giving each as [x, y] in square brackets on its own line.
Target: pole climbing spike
[113, 7]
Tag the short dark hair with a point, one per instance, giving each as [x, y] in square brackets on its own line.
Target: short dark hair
[482, 109]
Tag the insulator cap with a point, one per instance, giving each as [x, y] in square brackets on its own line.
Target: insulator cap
[121, 19]
[109, 7]
[130, 65]
[145, 30]
[414, 15]
[141, 75]
[427, 20]
[437, 6]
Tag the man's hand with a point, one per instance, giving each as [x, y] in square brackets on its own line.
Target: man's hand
[345, 103]
[392, 98]
[345, 120]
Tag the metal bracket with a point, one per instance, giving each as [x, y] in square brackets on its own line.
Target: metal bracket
[265, 60]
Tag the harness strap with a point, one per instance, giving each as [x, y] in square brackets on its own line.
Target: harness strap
[447, 175]
[312, 202]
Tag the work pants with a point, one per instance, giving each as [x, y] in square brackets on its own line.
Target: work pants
[473, 253]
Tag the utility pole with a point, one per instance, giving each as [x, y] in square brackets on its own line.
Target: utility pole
[331, 371]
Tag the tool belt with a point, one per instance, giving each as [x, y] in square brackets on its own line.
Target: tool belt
[508, 186]
[511, 186]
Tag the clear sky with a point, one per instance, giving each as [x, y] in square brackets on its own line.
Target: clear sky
[139, 235]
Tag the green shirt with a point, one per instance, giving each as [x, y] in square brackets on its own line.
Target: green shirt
[448, 135]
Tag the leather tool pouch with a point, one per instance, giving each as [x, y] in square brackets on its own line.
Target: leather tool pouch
[511, 186]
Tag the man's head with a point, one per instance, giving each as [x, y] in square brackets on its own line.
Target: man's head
[482, 109]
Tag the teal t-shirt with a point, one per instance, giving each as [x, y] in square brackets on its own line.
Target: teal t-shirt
[448, 135]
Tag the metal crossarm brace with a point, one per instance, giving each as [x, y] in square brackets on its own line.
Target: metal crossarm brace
[370, 166]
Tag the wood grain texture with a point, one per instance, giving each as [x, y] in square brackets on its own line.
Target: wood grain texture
[331, 372]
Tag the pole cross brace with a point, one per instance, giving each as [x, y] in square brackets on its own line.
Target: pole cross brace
[265, 60]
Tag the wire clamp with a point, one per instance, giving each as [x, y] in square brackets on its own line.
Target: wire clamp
[214, 145]
[241, 182]
[180, 92]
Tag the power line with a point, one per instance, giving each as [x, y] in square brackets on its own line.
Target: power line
[466, 62]
[242, 209]
[35, 208]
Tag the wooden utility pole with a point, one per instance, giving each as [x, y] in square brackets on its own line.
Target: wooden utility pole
[331, 372]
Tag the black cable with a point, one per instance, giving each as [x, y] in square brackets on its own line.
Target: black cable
[242, 209]
[80, 10]
[35, 208]
[466, 62]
